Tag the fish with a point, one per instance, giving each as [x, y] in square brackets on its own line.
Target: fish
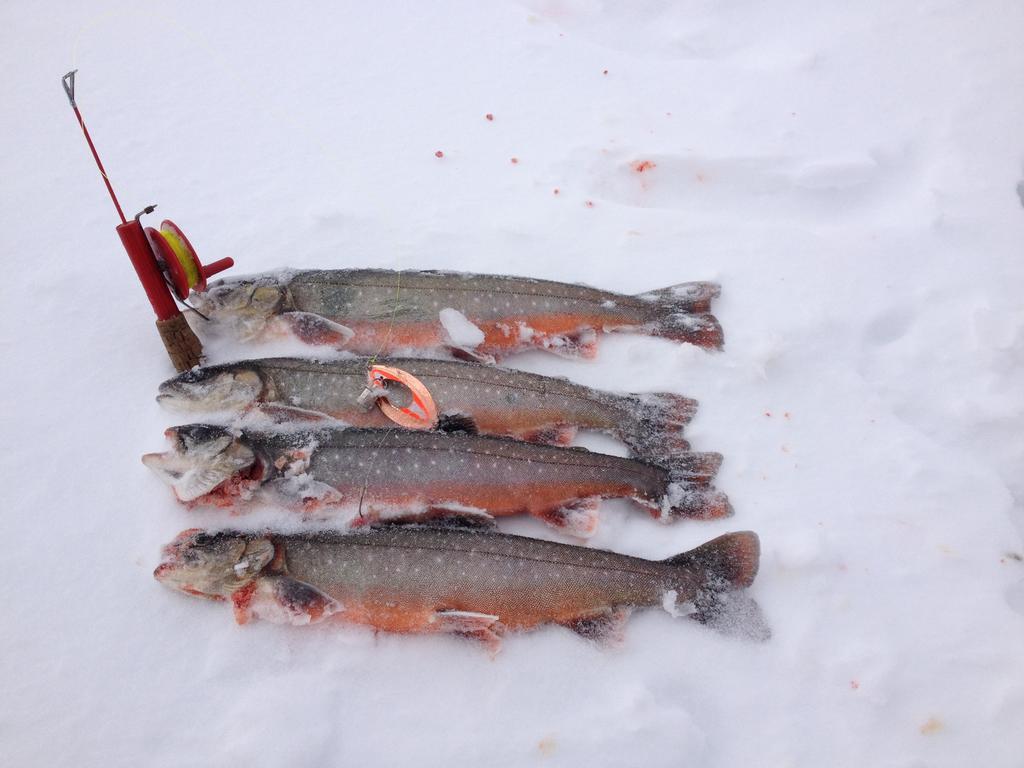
[468, 581]
[466, 316]
[375, 474]
[470, 396]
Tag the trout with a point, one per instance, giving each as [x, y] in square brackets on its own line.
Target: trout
[470, 582]
[470, 396]
[379, 474]
[477, 317]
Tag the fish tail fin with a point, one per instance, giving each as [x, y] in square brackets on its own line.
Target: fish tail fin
[683, 313]
[726, 566]
[727, 562]
[652, 424]
[689, 492]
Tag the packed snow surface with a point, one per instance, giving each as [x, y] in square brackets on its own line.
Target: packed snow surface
[850, 173]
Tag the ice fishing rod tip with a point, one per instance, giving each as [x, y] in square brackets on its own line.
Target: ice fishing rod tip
[147, 210]
[68, 81]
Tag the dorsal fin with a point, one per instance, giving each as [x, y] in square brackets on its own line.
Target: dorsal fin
[441, 517]
[457, 423]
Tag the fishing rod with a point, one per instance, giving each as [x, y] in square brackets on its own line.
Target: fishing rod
[164, 260]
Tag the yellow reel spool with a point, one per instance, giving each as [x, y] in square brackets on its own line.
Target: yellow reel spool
[183, 253]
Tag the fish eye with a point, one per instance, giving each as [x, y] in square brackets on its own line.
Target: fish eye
[193, 376]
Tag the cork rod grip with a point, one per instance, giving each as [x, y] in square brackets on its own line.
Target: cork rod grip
[183, 346]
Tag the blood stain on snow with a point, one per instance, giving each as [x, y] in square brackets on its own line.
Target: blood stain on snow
[768, 414]
[604, 72]
[489, 116]
[931, 725]
[854, 684]
[547, 745]
[643, 165]
[514, 160]
[588, 203]
[439, 153]
[554, 191]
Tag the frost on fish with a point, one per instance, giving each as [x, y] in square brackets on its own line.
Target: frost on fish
[381, 473]
[472, 397]
[683, 313]
[469, 582]
[652, 424]
[371, 311]
[689, 492]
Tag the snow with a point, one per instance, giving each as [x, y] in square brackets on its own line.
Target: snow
[851, 176]
[460, 329]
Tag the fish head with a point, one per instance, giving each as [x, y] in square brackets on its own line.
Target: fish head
[246, 304]
[213, 565]
[201, 457]
[216, 388]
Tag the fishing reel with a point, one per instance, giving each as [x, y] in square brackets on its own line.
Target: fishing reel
[178, 260]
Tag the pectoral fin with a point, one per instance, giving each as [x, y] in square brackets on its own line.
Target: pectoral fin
[283, 600]
[282, 414]
[312, 329]
[437, 516]
[304, 492]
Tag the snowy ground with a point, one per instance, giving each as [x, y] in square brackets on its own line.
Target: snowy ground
[849, 175]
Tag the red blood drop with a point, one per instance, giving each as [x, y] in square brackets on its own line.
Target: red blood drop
[643, 165]
[439, 153]
[605, 72]
[555, 191]
[589, 203]
[514, 160]
[489, 116]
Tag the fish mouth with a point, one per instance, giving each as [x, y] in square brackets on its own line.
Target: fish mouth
[193, 471]
[188, 479]
[163, 571]
[176, 401]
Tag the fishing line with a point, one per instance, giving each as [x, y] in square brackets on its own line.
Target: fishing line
[373, 461]
[184, 303]
[391, 324]
[213, 57]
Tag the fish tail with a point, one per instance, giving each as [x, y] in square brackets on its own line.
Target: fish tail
[725, 566]
[727, 562]
[652, 425]
[683, 313]
[689, 492]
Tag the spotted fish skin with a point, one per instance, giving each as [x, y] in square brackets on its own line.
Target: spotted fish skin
[431, 578]
[370, 311]
[398, 473]
[497, 401]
